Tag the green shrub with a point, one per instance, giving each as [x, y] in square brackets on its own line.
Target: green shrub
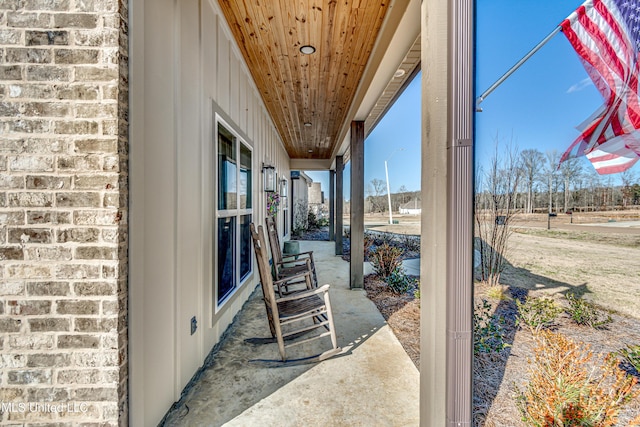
[631, 354]
[537, 313]
[416, 293]
[385, 260]
[399, 282]
[565, 389]
[323, 222]
[312, 220]
[488, 332]
[584, 313]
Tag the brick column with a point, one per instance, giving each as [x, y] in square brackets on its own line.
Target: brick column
[63, 211]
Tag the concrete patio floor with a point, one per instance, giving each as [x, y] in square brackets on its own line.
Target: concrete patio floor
[371, 382]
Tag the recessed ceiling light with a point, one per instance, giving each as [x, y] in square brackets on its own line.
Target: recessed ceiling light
[307, 124]
[307, 49]
[399, 73]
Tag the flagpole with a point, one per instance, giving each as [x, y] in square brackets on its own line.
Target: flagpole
[512, 70]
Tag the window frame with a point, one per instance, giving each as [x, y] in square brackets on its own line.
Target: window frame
[285, 226]
[237, 212]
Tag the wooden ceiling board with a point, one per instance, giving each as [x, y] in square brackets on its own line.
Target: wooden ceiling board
[297, 88]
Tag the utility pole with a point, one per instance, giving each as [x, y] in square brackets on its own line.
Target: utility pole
[386, 171]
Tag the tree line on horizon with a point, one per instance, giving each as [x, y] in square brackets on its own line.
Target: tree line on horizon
[534, 183]
[376, 200]
[538, 183]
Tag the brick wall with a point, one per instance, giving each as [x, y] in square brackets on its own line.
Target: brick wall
[63, 211]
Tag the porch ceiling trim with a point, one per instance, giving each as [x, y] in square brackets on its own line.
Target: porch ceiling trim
[310, 164]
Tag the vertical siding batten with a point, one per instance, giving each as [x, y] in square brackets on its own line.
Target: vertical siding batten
[188, 197]
[176, 160]
[222, 75]
[136, 234]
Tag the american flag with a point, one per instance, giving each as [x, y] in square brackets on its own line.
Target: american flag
[606, 36]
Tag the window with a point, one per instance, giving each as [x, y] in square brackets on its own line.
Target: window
[285, 206]
[232, 251]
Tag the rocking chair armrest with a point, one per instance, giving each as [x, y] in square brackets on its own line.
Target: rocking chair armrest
[305, 253]
[300, 261]
[293, 261]
[291, 277]
[298, 295]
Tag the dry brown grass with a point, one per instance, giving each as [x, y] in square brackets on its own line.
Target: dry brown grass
[604, 273]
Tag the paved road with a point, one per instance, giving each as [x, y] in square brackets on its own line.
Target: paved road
[624, 227]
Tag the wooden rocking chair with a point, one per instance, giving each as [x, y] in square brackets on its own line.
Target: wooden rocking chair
[312, 306]
[289, 266]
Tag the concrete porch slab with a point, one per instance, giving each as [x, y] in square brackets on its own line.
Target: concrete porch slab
[371, 382]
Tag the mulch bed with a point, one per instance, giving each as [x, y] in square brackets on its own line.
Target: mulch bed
[410, 245]
[315, 234]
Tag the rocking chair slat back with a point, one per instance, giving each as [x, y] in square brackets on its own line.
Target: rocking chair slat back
[266, 280]
[274, 241]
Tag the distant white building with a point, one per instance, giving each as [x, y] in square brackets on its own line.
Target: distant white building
[301, 183]
[316, 195]
[412, 207]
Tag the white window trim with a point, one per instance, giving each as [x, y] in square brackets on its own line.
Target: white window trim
[284, 207]
[227, 213]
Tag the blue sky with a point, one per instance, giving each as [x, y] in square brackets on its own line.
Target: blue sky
[399, 128]
[539, 106]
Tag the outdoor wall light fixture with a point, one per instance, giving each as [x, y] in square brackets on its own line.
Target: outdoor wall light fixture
[307, 124]
[307, 49]
[270, 180]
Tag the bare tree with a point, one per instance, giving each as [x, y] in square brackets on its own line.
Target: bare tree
[571, 171]
[403, 193]
[376, 189]
[628, 178]
[532, 162]
[594, 183]
[498, 187]
[551, 173]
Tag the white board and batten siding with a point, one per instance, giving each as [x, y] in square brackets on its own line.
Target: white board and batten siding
[185, 71]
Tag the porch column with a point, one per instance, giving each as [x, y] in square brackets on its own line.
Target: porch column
[339, 203]
[447, 228]
[356, 264]
[332, 201]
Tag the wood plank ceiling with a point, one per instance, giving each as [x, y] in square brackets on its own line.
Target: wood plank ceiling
[308, 96]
